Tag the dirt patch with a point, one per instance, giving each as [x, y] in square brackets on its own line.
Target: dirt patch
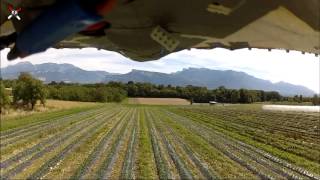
[57, 104]
[159, 101]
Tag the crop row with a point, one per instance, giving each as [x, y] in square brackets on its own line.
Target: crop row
[44, 129]
[52, 141]
[256, 154]
[104, 170]
[283, 120]
[46, 123]
[67, 140]
[177, 141]
[97, 151]
[184, 172]
[144, 142]
[255, 132]
[128, 165]
[101, 149]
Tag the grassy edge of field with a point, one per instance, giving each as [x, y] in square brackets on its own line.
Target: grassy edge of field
[7, 124]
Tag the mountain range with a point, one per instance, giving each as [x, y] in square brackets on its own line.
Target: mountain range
[48, 72]
[192, 76]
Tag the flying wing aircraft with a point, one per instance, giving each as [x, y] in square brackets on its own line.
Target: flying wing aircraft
[150, 29]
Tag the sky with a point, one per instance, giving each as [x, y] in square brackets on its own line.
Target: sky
[277, 65]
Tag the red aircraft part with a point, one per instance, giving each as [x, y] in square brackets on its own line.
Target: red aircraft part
[10, 8]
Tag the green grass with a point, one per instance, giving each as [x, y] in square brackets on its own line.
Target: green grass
[145, 161]
[125, 101]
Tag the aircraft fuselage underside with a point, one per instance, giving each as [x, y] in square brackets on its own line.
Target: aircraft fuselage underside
[150, 29]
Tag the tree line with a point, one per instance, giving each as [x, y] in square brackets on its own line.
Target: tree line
[26, 91]
[117, 91]
[201, 94]
[86, 93]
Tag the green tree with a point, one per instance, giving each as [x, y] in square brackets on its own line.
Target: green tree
[244, 97]
[132, 89]
[300, 99]
[296, 98]
[235, 96]
[101, 94]
[28, 91]
[316, 100]
[4, 97]
[221, 93]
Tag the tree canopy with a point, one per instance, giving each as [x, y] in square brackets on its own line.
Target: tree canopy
[4, 97]
[86, 93]
[28, 90]
[316, 100]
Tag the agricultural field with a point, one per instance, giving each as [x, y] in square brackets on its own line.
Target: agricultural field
[158, 101]
[164, 142]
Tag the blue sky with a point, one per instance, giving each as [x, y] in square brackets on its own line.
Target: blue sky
[277, 65]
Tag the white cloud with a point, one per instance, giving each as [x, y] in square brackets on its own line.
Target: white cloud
[275, 66]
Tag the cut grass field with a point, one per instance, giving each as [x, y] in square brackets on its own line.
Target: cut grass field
[163, 142]
[51, 105]
[54, 109]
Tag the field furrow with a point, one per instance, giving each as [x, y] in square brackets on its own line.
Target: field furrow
[145, 142]
[127, 171]
[198, 167]
[145, 165]
[202, 137]
[184, 172]
[257, 152]
[104, 170]
[60, 143]
[162, 165]
[53, 141]
[96, 153]
[6, 135]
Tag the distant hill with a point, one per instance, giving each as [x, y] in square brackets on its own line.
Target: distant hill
[48, 72]
[193, 76]
[210, 79]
